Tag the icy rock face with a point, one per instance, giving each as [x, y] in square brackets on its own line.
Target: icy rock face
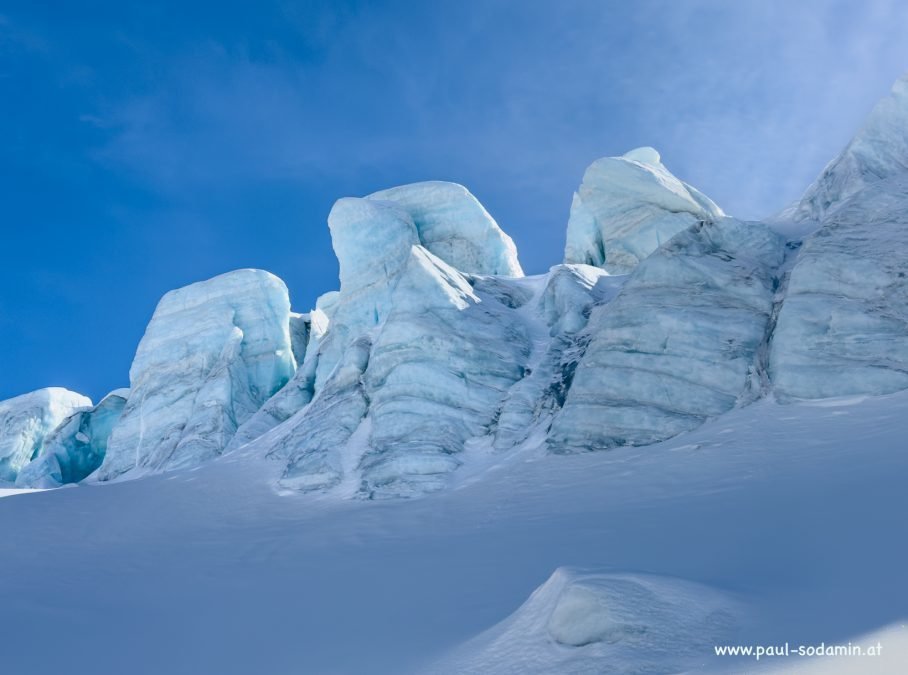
[76, 448]
[25, 422]
[878, 151]
[681, 342]
[591, 622]
[440, 365]
[626, 207]
[454, 226]
[212, 354]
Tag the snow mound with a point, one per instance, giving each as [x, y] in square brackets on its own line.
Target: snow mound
[453, 225]
[626, 207]
[591, 622]
[213, 352]
[680, 343]
[25, 422]
[76, 448]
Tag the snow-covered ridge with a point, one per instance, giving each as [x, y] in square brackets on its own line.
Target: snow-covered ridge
[436, 351]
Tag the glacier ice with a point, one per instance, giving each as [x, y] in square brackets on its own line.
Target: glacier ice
[213, 352]
[25, 422]
[312, 443]
[440, 364]
[679, 343]
[76, 448]
[626, 207]
[561, 312]
[878, 151]
[300, 325]
[843, 327]
[298, 392]
[453, 225]
[664, 313]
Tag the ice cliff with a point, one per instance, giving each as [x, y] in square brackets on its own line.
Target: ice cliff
[843, 328]
[627, 207]
[213, 353]
[436, 350]
[25, 422]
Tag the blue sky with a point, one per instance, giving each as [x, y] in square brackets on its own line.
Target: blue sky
[145, 147]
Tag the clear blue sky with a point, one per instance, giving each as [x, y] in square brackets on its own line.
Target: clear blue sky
[149, 145]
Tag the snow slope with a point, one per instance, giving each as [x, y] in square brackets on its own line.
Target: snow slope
[788, 514]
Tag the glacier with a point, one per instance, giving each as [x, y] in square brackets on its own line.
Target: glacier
[627, 207]
[76, 447]
[737, 372]
[212, 354]
[679, 343]
[843, 328]
[26, 421]
[437, 351]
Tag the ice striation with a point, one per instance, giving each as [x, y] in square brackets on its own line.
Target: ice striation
[298, 392]
[76, 448]
[212, 354]
[627, 207]
[25, 422]
[455, 227]
[440, 366]
[665, 313]
[878, 151]
[679, 344]
[559, 313]
[843, 328]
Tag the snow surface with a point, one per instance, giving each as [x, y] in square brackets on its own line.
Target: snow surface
[627, 207]
[26, 420]
[213, 353]
[789, 515]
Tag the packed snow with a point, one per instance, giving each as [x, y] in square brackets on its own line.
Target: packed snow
[791, 514]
